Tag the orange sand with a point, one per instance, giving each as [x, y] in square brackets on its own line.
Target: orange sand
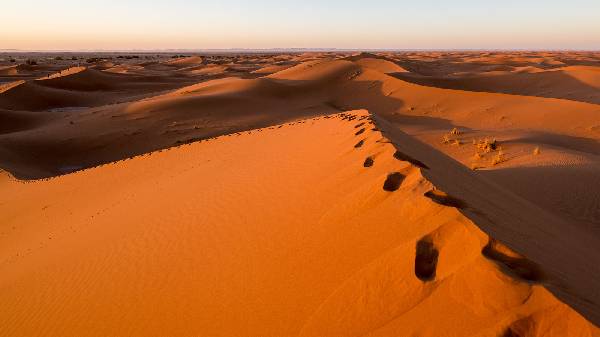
[463, 203]
[261, 234]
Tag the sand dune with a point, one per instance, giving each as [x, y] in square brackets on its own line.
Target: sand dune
[342, 249]
[124, 69]
[271, 217]
[270, 69]
[65, 72]
[318, 71]
[81, 88]
[34, 97]
[210, 69]
[563, 127]
[194, 112]
[7, 86]
[383, 66]
[586, 74]
[472, 109]
[376, 62]
[515, 222]
[104, 65]
[573, 83]
[94, 80]
[185, 61]
[12, 121]
[8, 70]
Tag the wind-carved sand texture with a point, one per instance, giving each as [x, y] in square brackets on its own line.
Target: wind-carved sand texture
[245, 195]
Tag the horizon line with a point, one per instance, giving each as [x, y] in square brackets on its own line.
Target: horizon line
[292, 49]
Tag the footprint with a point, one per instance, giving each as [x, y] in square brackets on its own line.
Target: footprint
[369, 162]
[512, 263]
[359, 125]
[426, 260]
[359, 132]
[393, 182]
[444, 199]
[359, 144]
[404, 157]
[384, 140]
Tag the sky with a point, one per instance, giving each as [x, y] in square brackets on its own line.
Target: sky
[260, 24]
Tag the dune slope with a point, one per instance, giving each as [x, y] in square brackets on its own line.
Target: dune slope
[80, 87]
[313, 228]
[90, 137]
[577, 83]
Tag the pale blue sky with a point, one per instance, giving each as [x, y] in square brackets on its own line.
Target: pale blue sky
[417, 24]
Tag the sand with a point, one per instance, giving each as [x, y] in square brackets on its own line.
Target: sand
[339, 251]
[318, 194]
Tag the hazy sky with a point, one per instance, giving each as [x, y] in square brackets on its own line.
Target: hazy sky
[397, 24]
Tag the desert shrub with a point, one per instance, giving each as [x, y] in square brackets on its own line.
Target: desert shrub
[31, 62]
[487, 145]
[499, 158]
[58, 58]
[449, 138]
[12, 60]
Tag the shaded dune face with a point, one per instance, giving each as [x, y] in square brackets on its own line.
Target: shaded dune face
[84, 88]
[516, 264]
[185, 115]
[333, 255]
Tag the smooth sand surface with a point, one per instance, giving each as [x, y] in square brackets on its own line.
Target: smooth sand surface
[280, 231]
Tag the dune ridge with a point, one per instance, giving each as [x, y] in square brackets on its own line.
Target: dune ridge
[361, 87]
[357, 260]
[80, 87]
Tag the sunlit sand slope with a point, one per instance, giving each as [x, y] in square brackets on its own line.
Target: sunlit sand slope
[314, 228]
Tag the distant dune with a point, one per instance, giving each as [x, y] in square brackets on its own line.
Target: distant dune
[581, 83]
[9, 70]
[185, 61]
[80, 88]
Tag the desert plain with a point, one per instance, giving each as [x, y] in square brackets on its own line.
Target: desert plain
[300, 194]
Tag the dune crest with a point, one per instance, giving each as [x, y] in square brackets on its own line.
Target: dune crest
[65, 72]
[185, 61]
